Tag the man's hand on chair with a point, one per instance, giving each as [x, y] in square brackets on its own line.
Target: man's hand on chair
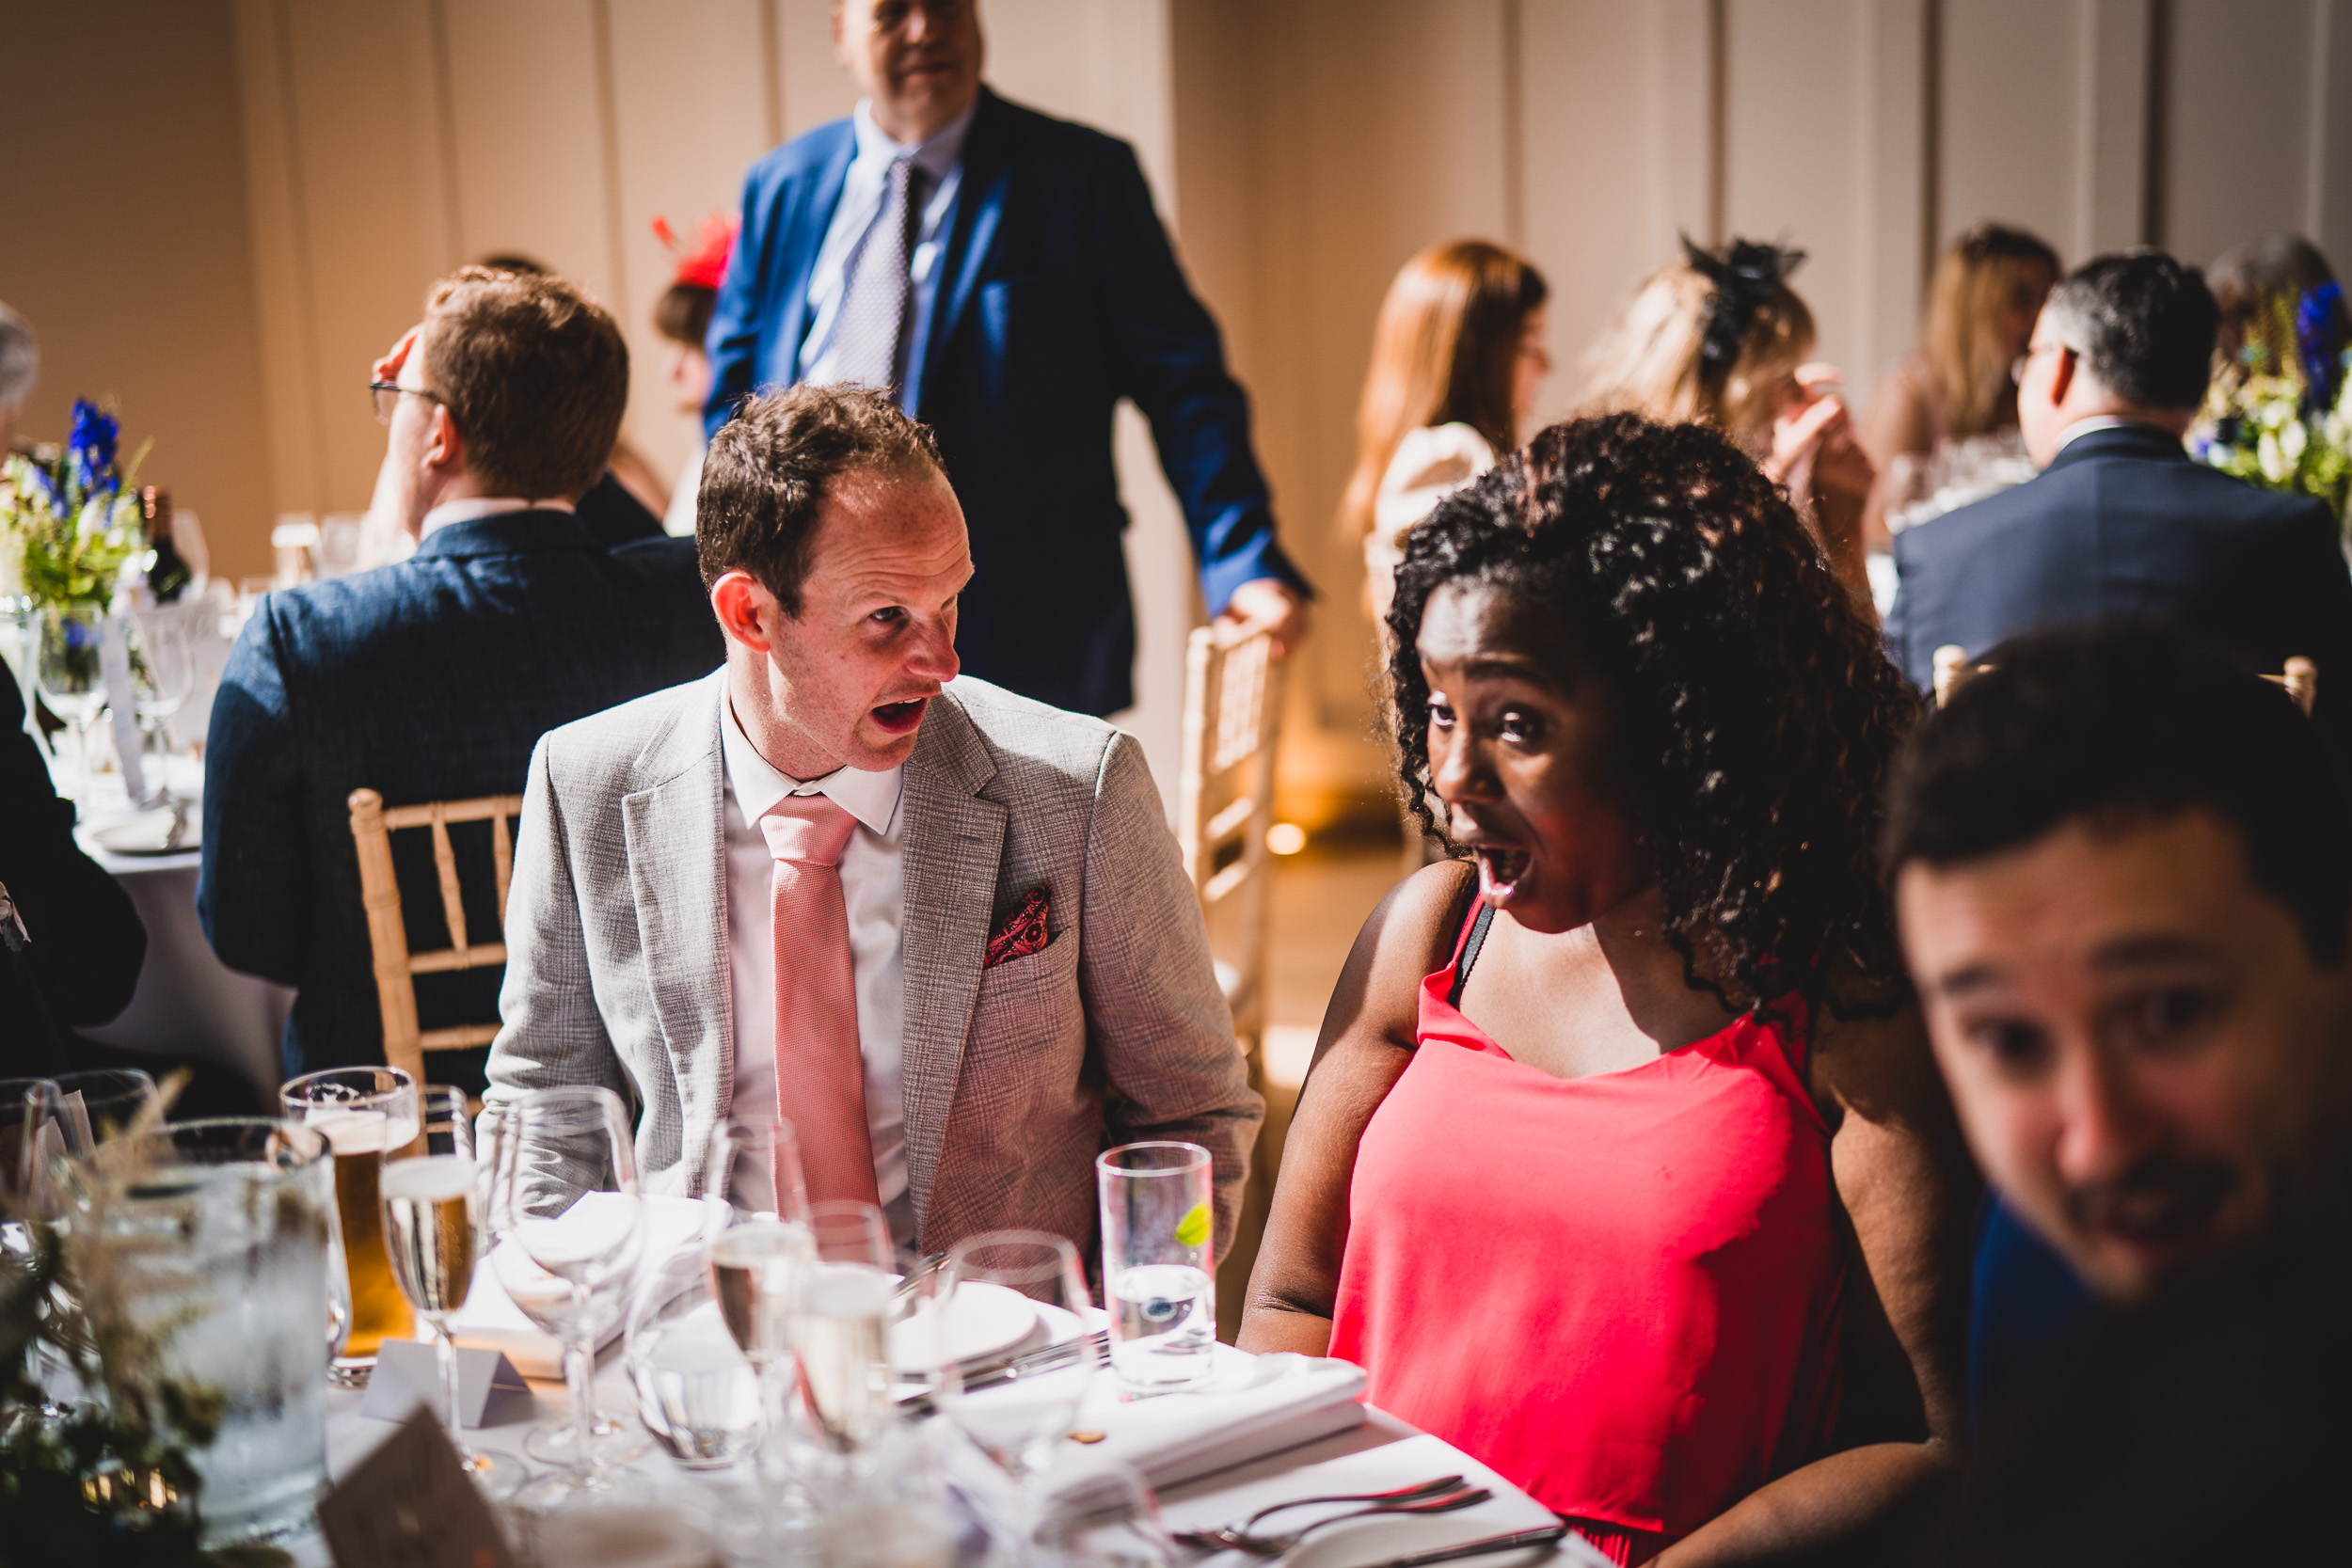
[1275, 602]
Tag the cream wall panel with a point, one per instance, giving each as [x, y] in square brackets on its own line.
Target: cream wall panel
[2235, 88]
[2013, 73]
[815, 88]
[2328, 193]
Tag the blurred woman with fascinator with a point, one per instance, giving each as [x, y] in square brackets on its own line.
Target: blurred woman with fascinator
[1988, 289]
[1457, 358]
[682, 316]
[1623, 1165]
[1720, 338]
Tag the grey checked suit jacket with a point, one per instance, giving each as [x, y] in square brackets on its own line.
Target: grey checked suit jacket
[1015, 1076]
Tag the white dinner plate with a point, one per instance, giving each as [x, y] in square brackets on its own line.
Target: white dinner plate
[987, 1320]
[148, 834]
[1366, 1541]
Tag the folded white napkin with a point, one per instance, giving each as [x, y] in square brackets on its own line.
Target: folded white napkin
[492, 1321]
[1255, 1406]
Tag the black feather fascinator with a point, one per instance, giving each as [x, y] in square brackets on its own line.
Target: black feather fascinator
[1744, 277]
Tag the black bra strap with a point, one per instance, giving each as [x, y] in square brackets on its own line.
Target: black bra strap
[1470, 951]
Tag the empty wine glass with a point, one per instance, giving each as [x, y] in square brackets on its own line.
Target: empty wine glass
[68, 674]
[162, 672]
[840, 1325]
[433, 1229]
[1018, 1423]
[569, 1229]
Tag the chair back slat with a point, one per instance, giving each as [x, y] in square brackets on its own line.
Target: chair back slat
[1225, 797]
[395, 966]
[2299, 679]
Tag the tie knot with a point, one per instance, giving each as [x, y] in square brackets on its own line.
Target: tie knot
[807, 828]
[902, 173]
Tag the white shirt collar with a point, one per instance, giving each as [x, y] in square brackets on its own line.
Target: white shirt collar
[2081, 428]
[481, 506]
[871, 798]
[936, 157]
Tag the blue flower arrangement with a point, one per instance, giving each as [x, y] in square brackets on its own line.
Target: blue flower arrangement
[69, 526]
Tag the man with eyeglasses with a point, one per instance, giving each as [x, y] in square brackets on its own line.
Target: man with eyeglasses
[2120, 521]
[431, 679]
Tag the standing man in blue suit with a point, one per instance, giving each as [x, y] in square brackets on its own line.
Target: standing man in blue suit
[2121, 522]
[433, 679]
[1006, 276]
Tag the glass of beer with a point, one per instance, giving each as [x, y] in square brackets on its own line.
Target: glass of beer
[365, 1112]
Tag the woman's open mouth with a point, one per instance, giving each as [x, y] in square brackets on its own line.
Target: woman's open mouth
[1499, 868]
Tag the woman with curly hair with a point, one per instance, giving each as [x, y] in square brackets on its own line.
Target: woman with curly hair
[1623, 1163]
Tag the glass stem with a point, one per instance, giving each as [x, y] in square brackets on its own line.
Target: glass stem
[445, 1352]
[580, 1379]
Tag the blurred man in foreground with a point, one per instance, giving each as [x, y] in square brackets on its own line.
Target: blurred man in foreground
[2124, 883]
[433, 679]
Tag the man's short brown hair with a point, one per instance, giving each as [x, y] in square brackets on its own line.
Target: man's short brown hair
[535, 374]
[771, 470]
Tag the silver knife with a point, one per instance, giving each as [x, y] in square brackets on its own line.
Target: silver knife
[1545, 1536]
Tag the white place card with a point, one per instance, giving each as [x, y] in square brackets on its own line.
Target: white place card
[491, 1392]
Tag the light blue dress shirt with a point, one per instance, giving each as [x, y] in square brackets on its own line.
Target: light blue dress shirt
[940, 159]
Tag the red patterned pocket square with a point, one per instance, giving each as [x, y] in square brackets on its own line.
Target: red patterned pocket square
[1024, 931]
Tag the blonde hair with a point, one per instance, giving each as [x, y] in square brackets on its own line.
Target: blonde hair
[1960, 334]
[1445, 350]
[1650, 359]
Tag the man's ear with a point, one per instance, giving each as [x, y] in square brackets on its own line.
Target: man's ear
[2062, 377]
[445, 444]
[746, 611]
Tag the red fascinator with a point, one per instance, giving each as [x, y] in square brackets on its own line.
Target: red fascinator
[704, 263]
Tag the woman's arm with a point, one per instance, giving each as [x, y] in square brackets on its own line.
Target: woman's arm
[1367, 1040]
[1909, 1192]
[1900, 425]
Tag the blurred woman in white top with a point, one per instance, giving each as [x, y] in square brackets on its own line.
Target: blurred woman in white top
[1457, 358]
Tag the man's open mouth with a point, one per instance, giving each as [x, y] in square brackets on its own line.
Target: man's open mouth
[898, 717]
[1499, 868]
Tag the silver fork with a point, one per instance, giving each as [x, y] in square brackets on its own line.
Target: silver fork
[1231, 1539]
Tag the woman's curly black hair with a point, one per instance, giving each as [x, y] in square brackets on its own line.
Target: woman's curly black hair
[1762, 718]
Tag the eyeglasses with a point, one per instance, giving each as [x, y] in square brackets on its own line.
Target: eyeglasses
[387, 393]
[2017, 366]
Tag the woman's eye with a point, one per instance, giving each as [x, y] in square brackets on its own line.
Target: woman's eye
[1517, 724]
[1441, 714]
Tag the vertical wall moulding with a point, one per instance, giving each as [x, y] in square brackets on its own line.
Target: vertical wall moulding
[608, 151]
[306, 289]
[1718, 122]
[1513, 130]
[771, 71]
[444, 120]
[2328, 167]
[2115, 170]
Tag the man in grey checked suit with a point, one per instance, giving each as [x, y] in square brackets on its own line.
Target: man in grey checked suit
[1032, 979]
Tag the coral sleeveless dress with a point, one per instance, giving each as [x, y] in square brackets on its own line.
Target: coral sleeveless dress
[1622, 1292]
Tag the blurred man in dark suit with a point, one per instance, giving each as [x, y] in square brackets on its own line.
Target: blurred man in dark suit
[1006, 276]
[2121, 522]
[433, 679]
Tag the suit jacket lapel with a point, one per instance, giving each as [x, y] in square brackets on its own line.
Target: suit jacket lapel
[972, 230]
[806, 236]
[676, 841]
[955, 843]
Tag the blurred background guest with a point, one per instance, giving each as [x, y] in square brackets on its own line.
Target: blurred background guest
[2120, 521]
[2123, 874]
[682, 316]
[1988, 288]
[1624, 1165]
[1006, 276]
[1721, 338]
[2281, 308]
[1457, 358]
[431, 679]
[20, 367]
[628, 501]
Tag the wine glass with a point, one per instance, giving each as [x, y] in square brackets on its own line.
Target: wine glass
[840, 1325]
[162, 672]
[432, 1229]
[756, 1243]
[569, 1229]
[1019, 1423]
[696, 1391]
[68, 674]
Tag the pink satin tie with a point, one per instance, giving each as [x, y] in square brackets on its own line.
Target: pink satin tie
[820, 1076]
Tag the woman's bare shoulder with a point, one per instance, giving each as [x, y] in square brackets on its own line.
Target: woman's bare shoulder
[1407, 935]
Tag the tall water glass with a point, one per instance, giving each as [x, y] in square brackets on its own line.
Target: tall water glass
[66, 670]
[696, 1391]
[1018, 1424]
[433, 1229]
[840, 1325]
[1159, 1273]
[569, 1229]
[232, 1216]
[365, 1112]
[163, 673]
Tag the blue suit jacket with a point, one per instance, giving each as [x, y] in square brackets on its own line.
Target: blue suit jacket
[429, 680]
[1059, 296]
[2124, 522]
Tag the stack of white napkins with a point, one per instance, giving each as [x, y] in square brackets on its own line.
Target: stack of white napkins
[1255, 1406]
[491, 1320]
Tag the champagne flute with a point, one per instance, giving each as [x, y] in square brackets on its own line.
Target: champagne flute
[162, 672]
[432, 1228]
[68, 674]
[1019, 1423]
[569, 1227]
[840, 1323]
[756, 1243]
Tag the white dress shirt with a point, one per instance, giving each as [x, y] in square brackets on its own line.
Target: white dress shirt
[862, 194]
[873, 891]
[2097, 423]
[480, 506]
